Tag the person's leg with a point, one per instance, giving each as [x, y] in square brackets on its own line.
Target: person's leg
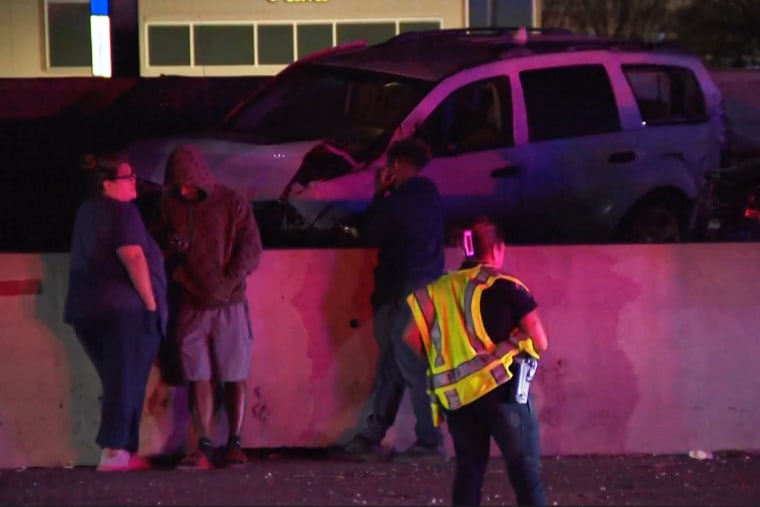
[234, 404]
[233, 346]
[515, 429]
[202, 401]
[413, 369]
[385, 398]
[472, 448]
[146, 342]
[117, 366]
[388, 387]
[89, 332]
[93, 333]
[193, 329]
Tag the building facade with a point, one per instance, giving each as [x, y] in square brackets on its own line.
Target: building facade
[57, 38]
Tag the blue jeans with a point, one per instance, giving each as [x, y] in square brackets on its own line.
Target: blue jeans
[121, 346]
[514, 427]
[399, 368]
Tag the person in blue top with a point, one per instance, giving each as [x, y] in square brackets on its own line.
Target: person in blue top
[405, 222]
[116, 303]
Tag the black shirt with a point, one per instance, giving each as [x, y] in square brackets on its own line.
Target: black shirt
[502, 305]
[407, 228]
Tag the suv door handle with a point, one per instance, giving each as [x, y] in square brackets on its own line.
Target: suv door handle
[506, 172]
[622, 157]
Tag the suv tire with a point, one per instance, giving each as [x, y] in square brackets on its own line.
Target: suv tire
[661, 217]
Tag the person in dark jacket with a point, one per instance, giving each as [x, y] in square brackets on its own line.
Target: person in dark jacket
[116, 303]
[405, 222]
[212, 243]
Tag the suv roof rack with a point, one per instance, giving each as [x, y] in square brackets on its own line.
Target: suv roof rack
[513, 37]
[507, 32]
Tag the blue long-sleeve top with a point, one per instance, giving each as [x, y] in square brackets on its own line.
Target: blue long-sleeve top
[407, 228]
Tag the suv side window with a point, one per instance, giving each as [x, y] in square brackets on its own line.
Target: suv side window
[666, 94]
[569, 101]
[475, 117]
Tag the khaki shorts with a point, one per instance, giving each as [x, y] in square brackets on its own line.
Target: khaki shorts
[215, 343]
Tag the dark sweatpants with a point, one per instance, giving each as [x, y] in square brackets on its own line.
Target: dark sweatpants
[121, 346]
[514, 427]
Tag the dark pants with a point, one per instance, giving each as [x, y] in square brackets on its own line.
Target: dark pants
[121, 346]
[514, 427]
[399, 368]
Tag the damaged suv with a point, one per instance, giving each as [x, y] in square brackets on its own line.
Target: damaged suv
[560, 138]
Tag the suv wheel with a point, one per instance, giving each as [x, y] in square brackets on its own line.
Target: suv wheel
[658, 219]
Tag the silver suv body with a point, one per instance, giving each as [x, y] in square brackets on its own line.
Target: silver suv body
[562, 139]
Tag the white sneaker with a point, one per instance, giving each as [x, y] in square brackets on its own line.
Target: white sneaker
[113, 460]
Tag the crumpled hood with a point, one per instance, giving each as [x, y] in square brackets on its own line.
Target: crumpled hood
[259, 171]
[186, 166]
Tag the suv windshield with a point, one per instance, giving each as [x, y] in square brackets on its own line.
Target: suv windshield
[347, 107]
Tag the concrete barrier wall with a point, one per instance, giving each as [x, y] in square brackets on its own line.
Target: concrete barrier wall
[653, 349]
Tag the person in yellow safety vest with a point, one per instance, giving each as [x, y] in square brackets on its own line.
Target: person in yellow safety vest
[481, 334]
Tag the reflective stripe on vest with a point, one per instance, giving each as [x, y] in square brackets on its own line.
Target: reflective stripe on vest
[428, 311]
[476, 363]
[464, 362]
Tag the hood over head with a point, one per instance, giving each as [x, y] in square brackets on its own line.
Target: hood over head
[186, 166]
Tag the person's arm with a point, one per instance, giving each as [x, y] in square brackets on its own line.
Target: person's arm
[377, 219]
[375, 224]
[246, 254]
[531, 325]
[128, 235]
[133, 258]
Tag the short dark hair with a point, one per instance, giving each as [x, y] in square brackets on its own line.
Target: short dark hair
[105, 167]
[485, 235]
[411, 150]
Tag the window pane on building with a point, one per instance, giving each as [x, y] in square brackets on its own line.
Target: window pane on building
[415, 26]
[312, 38]
[69, 34]
[373, 33]
[168, 45]
[275, 44]
[223, 44]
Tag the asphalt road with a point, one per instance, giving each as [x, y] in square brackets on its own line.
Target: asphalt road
[730, 478]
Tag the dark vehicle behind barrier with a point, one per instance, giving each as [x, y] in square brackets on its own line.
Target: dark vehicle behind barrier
[728, 208]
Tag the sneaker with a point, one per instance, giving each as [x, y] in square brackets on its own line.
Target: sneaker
[359, 449]
[233, 457]
[198, 460]
[113, 460]
[419, 452]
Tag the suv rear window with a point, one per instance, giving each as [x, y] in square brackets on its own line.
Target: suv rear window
[666, 94]
[569, 101]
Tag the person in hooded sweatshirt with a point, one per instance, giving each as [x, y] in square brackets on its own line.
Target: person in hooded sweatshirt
[211, 243]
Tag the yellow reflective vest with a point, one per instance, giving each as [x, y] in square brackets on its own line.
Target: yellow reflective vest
[464, 363]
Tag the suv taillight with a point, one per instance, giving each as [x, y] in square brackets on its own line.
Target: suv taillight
[752, 211]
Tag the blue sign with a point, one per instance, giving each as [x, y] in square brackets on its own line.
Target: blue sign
[99, 7]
